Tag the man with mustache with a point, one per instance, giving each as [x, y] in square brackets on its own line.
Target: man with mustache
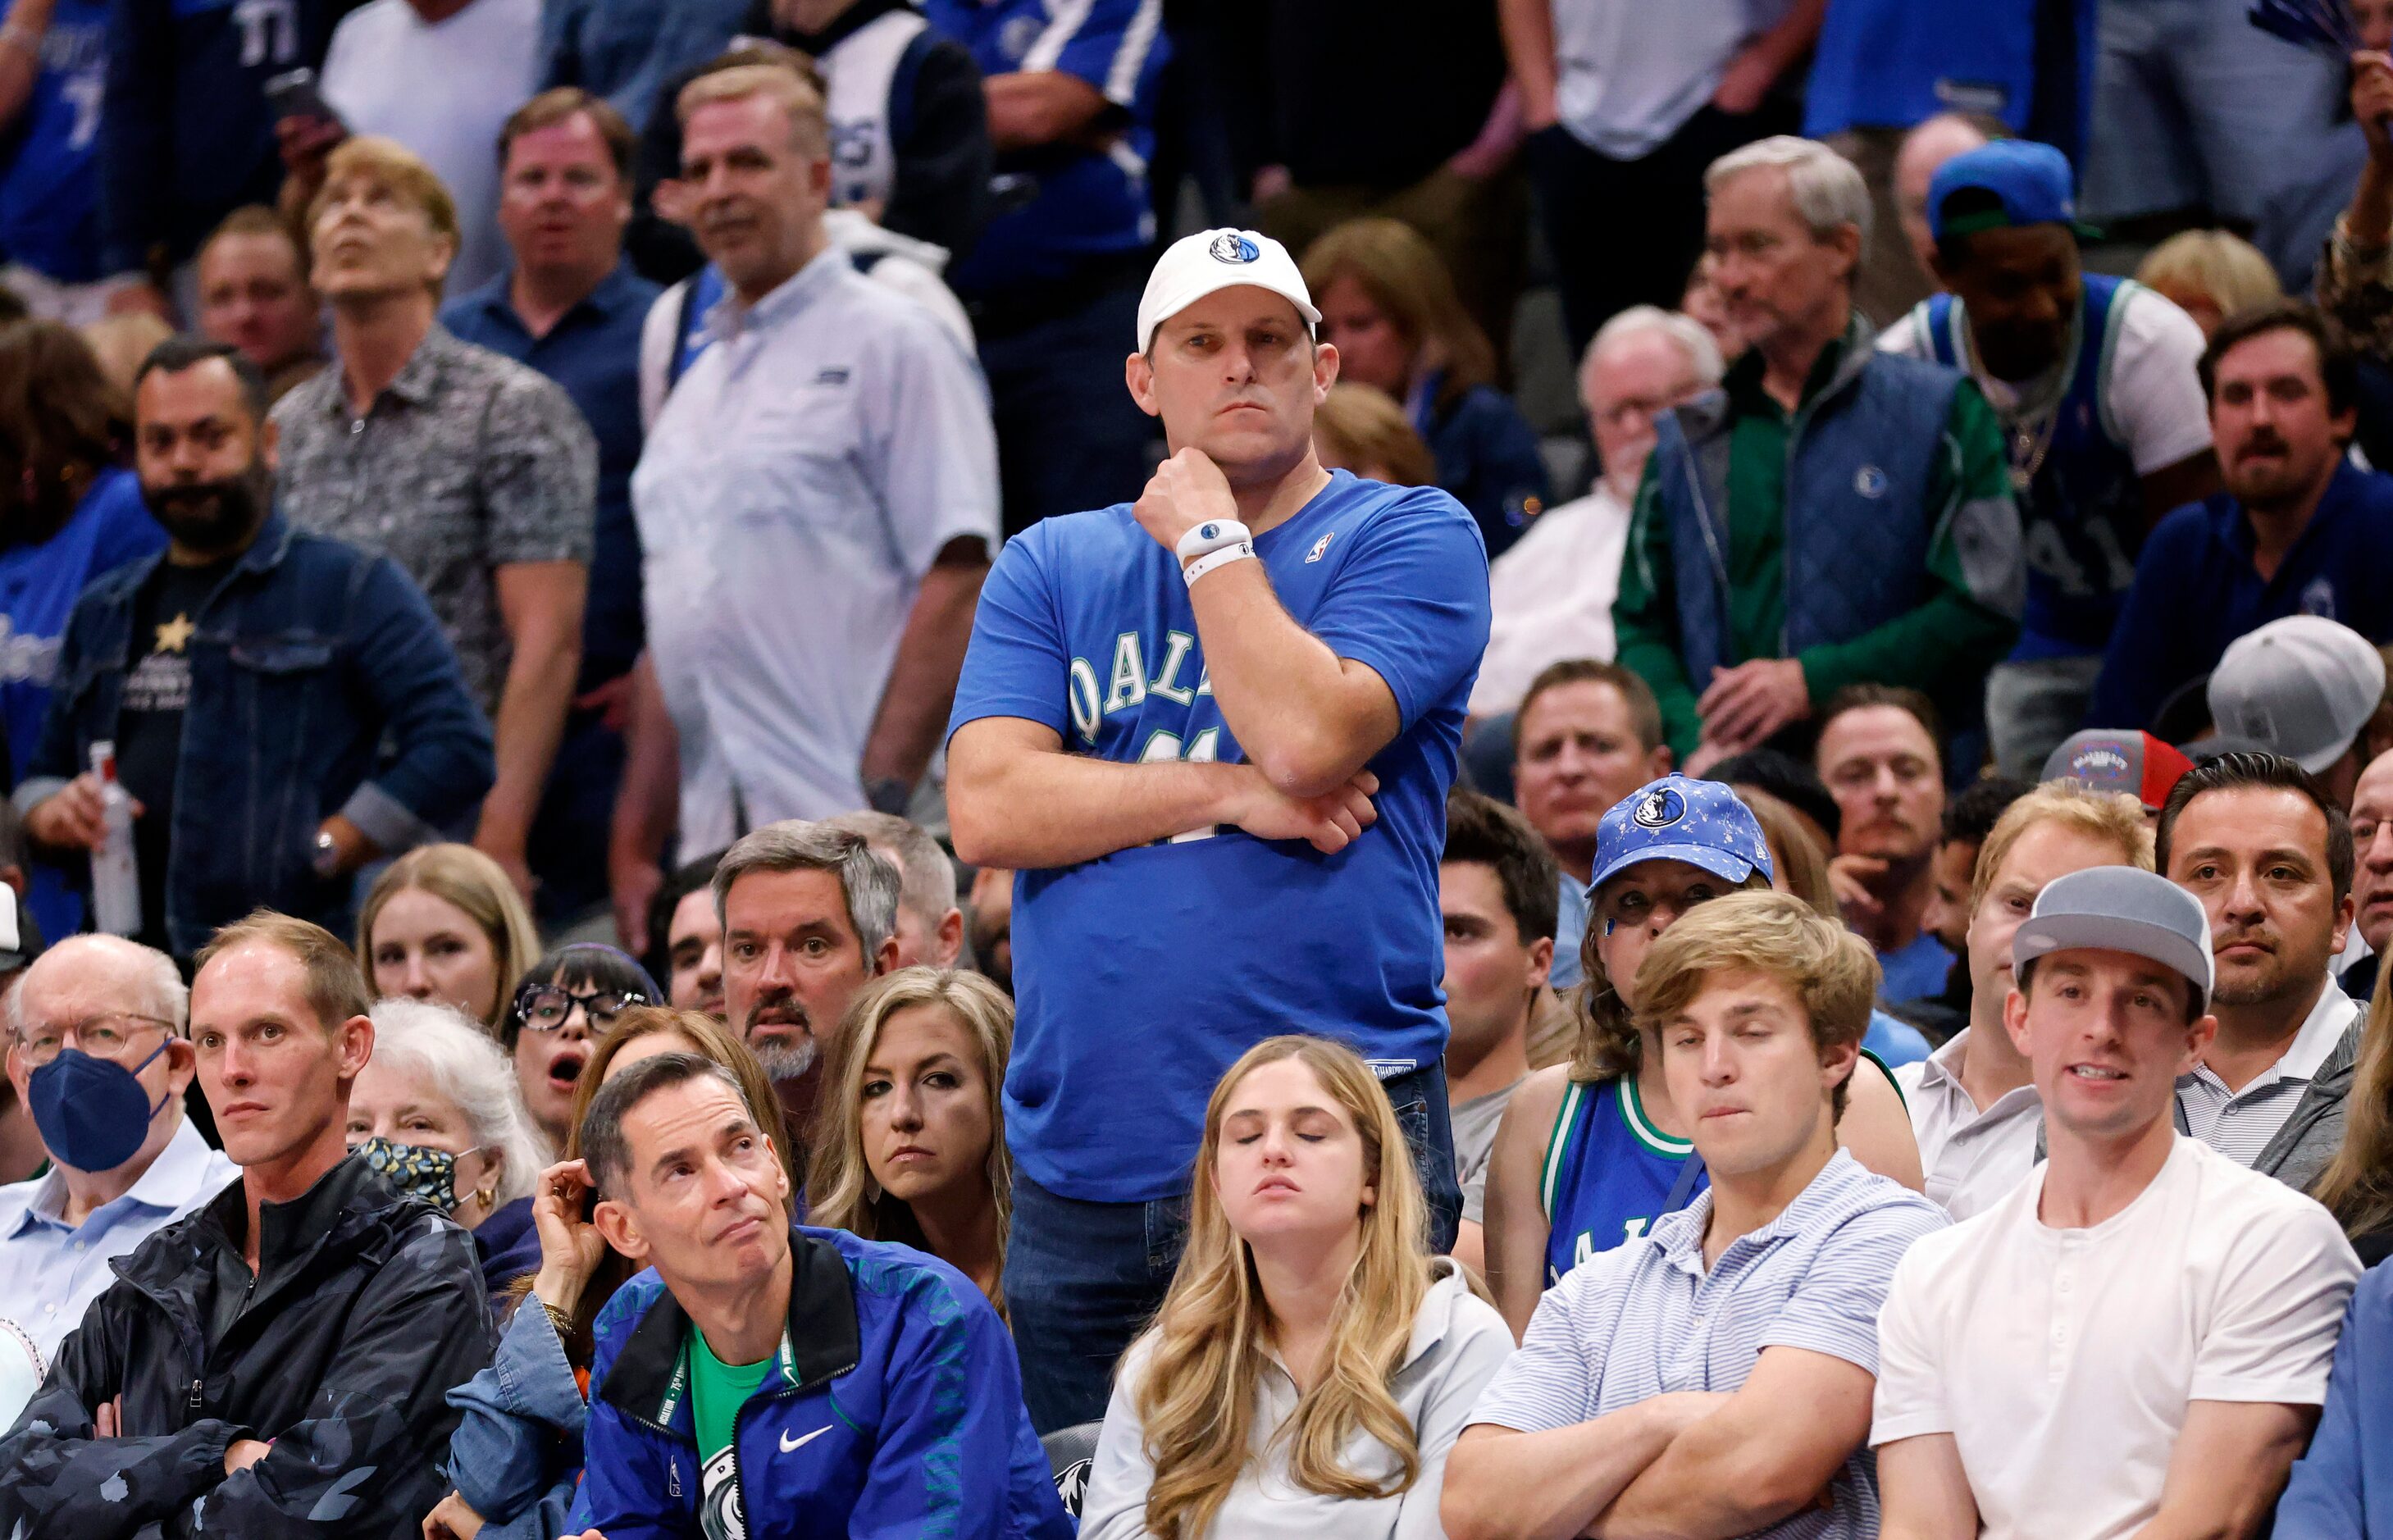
[2268, 853]
[2093, 378]
[809, 917]
[2297, 532]
[248, 677]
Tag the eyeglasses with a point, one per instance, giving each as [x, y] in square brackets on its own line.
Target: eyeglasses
[103, 1036]
[543, 1007]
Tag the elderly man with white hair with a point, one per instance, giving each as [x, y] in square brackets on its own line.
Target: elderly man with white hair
[1552, 591]
[97, 1049]
[437, 1112]
[1835, 515]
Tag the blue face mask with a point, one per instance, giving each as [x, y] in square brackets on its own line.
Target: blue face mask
[93, 1114]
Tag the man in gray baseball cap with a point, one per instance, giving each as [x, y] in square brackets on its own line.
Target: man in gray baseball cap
[2136, 1339]
[2302, 687]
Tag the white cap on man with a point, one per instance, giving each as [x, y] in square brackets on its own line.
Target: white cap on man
[1209, 261]
[2303, 685]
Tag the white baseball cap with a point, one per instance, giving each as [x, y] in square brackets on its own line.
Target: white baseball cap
[2303, 685]
[1198, 265]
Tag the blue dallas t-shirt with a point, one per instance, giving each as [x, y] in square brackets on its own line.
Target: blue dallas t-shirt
[1139, 976]
[49, 179]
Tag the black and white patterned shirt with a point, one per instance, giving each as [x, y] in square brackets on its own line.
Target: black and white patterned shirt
[467, 462]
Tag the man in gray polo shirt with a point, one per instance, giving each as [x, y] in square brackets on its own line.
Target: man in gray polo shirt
[2268, 851]
[1651, 1392]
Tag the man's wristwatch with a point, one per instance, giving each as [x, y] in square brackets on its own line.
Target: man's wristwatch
[327, 860]
[889, 794]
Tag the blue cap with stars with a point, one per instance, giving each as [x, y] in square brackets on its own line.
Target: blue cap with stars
[1678, 819]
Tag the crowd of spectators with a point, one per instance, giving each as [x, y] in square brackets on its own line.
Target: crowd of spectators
[1279, 768]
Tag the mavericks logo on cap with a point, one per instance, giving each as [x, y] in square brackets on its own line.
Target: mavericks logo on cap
[1659, 808]
[1230, 246]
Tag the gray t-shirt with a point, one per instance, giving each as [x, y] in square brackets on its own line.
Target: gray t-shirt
[1474, 1141]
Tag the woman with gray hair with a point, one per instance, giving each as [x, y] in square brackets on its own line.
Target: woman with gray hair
[436, 1112]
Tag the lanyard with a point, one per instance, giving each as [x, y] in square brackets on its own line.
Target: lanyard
[1684, 1188]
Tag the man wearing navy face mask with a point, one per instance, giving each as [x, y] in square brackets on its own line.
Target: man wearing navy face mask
[96, 1049]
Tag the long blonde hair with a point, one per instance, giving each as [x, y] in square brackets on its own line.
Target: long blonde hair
[1210, 1343]
[2357, 1185]
[480, 889]
[841, 1194]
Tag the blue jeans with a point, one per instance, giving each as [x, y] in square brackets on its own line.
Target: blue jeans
[1083, 1279]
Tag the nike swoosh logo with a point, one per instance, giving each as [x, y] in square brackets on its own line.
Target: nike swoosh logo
[788, 1444]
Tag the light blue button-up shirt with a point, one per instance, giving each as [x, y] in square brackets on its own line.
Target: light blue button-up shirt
[50, 1272]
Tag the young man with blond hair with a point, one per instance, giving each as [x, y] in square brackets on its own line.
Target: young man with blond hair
[1651, 1391]
[1973, 1101]
[472, 473]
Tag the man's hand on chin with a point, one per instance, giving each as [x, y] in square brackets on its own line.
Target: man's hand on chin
[1186, 491]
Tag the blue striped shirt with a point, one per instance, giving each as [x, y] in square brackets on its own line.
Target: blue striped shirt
[1645, 1318]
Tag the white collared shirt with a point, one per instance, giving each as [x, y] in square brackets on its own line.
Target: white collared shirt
[796, 487]
[1551, 596]
[50, 1272]
[1971, 1157]
[2240, 1123]
[1630, 74]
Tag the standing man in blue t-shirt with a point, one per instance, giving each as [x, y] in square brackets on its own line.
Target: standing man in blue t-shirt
[1213, 731]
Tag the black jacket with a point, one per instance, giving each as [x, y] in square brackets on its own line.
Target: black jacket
[366, 1310]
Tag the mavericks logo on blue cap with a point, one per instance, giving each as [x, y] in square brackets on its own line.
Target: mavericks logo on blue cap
[1658, 808]
[1230, 246]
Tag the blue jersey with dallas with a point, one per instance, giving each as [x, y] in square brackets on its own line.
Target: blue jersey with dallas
[2082, 515]
[49, 194]
[1139, 976]
[1608, 1174]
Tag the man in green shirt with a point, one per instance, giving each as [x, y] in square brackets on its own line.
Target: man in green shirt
[1834, 516]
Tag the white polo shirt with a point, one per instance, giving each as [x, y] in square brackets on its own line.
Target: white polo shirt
[2240, 1123]
[1630, 74]
[2062, 1362]
[1971, 1157]
[793, 491]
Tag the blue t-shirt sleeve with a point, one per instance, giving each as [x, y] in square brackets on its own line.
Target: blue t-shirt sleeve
[1411, 602]
[1016, 664]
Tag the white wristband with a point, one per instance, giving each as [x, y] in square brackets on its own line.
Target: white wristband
[1202, 565]
[1214, 534]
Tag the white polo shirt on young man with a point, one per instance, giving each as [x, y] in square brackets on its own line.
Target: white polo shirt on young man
[795, 488]
[1970, 1155]
[2062, 1362]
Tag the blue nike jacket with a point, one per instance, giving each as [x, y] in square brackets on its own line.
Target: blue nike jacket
[894, 1409]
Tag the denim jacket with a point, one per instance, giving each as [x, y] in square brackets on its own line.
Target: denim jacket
[516, 1456]
[309, 660]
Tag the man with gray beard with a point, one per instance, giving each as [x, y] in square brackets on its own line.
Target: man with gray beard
[809, 917]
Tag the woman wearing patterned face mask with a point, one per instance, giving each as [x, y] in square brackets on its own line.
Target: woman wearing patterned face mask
[436, 1112]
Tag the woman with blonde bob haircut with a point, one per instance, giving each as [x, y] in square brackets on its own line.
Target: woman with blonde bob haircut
[1311, 1367]
[443, 923]
[910, 1139]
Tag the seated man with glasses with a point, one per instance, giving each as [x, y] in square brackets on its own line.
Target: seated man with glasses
[97, 1052]
[277, 1364]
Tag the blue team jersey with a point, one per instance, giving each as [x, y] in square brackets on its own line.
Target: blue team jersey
[1139, 976]
[1609, 1173]
[2082, 511]
[39, 585]
[1060, 207]
[49, 192]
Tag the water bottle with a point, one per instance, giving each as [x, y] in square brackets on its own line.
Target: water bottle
[116, 879]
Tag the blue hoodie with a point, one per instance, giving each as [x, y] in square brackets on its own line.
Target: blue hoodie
[2343, 1488]
[894, 1409]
